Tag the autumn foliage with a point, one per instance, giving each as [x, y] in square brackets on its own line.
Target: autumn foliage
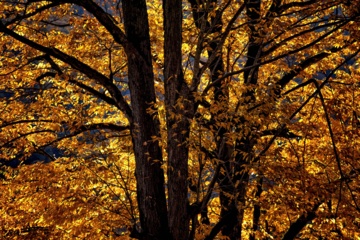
[195, 119]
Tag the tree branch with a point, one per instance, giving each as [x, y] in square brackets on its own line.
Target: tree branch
[78, 65]
[39, 10]
[276, 58]
[285, 133]
[303, 220]
[5, 124]
[105, 19]
[81, 85]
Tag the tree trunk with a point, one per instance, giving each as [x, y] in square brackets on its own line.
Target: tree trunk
[179, 111]
[148, 156]
[234, 179]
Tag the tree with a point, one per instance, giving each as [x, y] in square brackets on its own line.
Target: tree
[234, 116]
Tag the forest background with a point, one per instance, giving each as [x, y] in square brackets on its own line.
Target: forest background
[197, 119]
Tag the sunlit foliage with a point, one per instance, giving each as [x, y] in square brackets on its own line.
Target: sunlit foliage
[267, 117]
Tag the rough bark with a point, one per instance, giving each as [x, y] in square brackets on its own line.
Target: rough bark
[148, 156]
[179, 112]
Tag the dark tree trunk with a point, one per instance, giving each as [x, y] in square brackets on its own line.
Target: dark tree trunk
[255, 45]
[149, 174]
[230, 222]
[233, 180]
[233, 183]
[257, 209]
[179, 112]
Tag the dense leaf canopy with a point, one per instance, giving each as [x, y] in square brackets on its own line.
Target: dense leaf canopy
[195, 119]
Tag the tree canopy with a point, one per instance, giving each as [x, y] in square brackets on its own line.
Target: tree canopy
[194, 119]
